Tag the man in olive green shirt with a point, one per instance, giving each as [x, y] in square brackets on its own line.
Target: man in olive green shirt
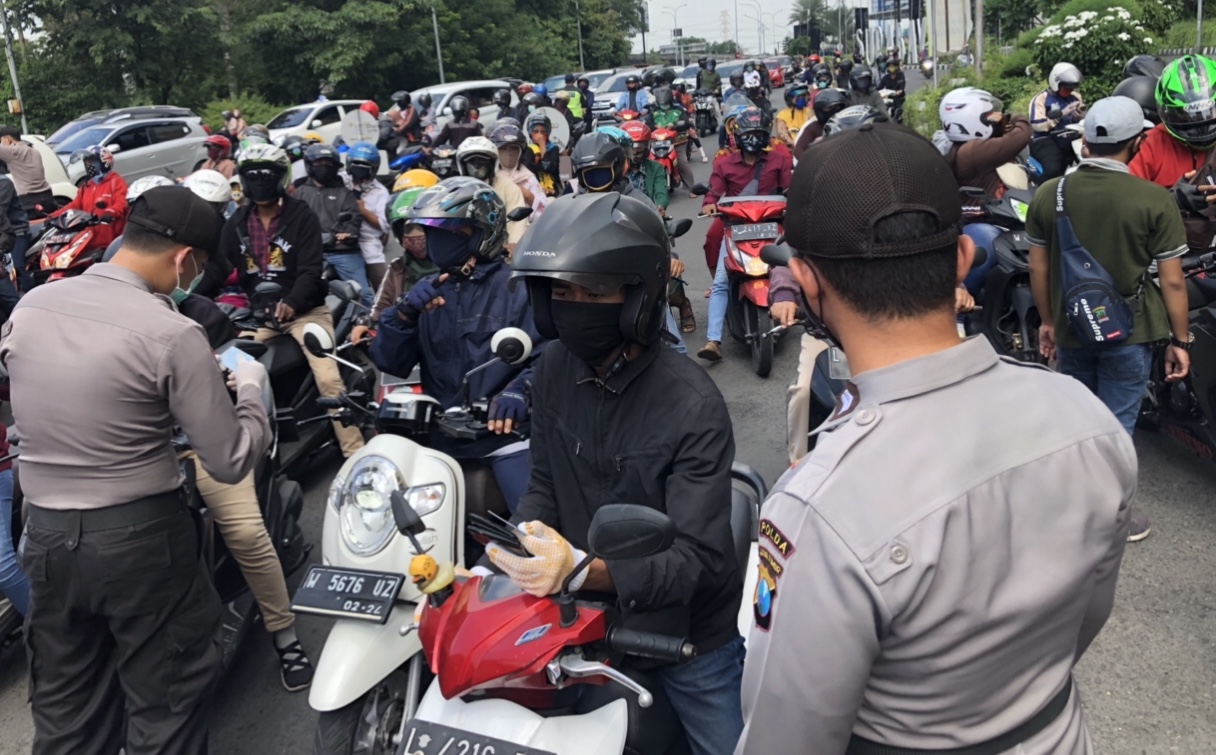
[1126, 223]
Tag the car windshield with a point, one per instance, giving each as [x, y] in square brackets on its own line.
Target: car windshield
[69, 128]
[730, 69]
[617, 84]
[554, 83]
[296, 116]
[772, 64]
[595, 79]
[689, 72]
[82, 139]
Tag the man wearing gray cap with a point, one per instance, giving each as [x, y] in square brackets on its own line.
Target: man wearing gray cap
[1126, 224]
[124, 621]
[931, 572]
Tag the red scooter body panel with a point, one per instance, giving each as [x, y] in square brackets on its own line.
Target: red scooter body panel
[490, 634]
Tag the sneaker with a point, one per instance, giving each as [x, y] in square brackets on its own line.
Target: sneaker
[294, 667]
[1139, 529]
[711, 351]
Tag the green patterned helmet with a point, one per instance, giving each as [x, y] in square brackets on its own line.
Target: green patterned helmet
[400, 206]
[1186, 100]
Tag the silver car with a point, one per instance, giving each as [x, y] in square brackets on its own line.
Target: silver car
[170, 147]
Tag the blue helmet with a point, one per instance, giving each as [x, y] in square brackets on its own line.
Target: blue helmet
[541, 89]
[619, 136]
[362, 157]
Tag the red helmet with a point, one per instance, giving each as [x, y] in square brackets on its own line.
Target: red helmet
[637, 130]
[371, 109]
[524, 88]
[814, 59]
[220, 144]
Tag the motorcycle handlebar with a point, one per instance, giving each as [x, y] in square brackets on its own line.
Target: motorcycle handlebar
[649, 645]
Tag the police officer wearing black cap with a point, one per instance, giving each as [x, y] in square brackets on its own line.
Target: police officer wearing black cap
[124, 620]
[932, 571]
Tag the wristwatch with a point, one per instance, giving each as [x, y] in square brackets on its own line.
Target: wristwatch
[1184, 345]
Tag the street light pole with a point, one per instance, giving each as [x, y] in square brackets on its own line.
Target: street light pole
[438, 49]
[979, 35]
[12, 65]
[675, 24]
[772, 17]
[759, 23]
[738, 50]
[578, 20]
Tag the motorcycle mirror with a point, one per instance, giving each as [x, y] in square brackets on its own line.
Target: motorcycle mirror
[344, 217]
[511, 345]
[1055, 114]
[681, 228]
[101, 204]
[776, 255]
[623, 530]
[407, 520]
[317, 340]
[700, 190]
[519, 213]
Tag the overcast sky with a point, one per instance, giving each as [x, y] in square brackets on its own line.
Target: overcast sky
[703, 18]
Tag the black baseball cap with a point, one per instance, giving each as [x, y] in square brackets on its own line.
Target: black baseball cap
[177, 213]
[845, 184]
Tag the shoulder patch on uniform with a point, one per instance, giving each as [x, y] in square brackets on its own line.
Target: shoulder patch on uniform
[770, 570]
[769, 532]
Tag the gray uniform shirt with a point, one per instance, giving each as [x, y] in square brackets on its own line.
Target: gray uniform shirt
[100, 370]
[931, 572]
[25, 166]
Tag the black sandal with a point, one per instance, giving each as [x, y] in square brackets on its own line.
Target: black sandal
[294, 667]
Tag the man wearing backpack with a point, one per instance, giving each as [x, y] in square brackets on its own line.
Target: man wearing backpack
[1125, 224]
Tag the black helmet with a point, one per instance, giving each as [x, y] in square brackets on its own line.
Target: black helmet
[539, 119]
[598, 161]
[632, 79]
[828, 103]
[753, 126]
[294, 147]
[506, 134]
[502, 98]
[664, 76]
[507, 120]
[712, 64]
[702, 61]
[464, 201]
[533, 100]
[569, 79]
[604, 242]
[1142, 89]
[402, 98]
[460, 106]
[424, 100]
[846, 66]
[581, 79]
[662, 96]
[820, 68]
[862, 78]
[319, 153]
[736, 80]
[852, 117]
[1144, 65]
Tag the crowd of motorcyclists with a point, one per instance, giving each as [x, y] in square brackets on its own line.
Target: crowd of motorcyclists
[601, 278]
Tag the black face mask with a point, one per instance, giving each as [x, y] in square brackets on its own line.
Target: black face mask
[360, 174]
[261, 186]
[323, 173]
[753, 142]
[448, 249]
[589, 330]
[92, 169]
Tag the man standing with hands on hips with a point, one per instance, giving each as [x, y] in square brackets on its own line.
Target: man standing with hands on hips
[124, 621]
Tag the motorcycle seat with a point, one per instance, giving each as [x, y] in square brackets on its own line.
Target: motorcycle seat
[481, 492]
[284, 355]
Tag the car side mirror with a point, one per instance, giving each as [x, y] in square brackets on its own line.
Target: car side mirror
[511, 345]
[519, 213]
[316, 123]
[317, 340]
[682, 227]
[700, 190]
[627, 531]
[114, 148]
[446, 111]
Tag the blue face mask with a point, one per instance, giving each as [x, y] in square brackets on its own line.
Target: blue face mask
[821, 85]
[800, 102]
[448, 249]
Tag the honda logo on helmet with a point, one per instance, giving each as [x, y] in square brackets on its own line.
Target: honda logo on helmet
[539, 254]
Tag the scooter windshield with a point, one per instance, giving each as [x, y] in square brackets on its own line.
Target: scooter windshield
[496, 587]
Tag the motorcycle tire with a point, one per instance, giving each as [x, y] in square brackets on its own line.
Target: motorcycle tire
[762, 346]
[338, 731]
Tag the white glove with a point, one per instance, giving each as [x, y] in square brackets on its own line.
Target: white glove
[250, 372]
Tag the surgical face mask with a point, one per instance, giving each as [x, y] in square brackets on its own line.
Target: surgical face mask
[415, 245]
[753, 141]
[448, 249]
[261, 185]
[324, 172]
[800, 102]
[591, 331]
[821, 84]
[179, 294]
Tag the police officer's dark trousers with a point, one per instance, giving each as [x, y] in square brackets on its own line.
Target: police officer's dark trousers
[124, 623]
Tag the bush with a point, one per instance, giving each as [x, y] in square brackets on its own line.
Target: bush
[1098, 7]
[920, 109]
[253, 109]
[1097, 42]
[1159, 15]
[1182, 34]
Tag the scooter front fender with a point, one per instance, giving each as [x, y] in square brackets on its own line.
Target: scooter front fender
[358, 654]
[755, 290]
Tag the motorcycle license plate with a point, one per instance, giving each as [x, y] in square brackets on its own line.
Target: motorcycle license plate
[427, 738]
[754, 231]
[348, 593]
[52, 239]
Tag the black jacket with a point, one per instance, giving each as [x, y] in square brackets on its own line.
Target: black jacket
[297, 260]
[329, 203]
[207, 313]
[454, 133]
[657, 434]
[13, 220]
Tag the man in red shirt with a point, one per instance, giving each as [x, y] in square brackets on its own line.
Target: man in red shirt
[1183, 142]
[102, 185]
[755, 170]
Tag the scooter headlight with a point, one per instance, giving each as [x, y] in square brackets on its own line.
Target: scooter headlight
[365, 509]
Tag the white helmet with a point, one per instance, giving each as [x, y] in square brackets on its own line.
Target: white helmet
[964, 113]
[140, 185]
[1064, 74]
[210, 185]
[476, 146]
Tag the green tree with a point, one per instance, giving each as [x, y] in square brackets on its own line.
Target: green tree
[1008, 18]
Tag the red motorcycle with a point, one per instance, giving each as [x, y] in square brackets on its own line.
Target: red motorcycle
[663, 151]
[65, 247]
[525, 675]
[751, 224]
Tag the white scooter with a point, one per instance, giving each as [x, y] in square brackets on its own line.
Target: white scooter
[370, 674]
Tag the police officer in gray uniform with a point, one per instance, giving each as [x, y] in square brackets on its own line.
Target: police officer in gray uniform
[932, 571]
[124, 620]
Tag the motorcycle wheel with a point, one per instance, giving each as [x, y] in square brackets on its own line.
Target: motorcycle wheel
[366, 726]
[762, 347]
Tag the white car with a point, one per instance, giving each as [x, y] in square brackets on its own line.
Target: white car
[62, 187]
[325, 118]
[479, 93]
[170, 147]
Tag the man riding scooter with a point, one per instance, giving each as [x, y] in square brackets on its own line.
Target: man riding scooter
[445, 322]
[102, 185]
[666, 114]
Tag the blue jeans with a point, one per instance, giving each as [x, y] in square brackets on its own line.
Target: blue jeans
[1118, 375]
[719, 298]
[706, 694]
[350, 268]
[674, 329]
[19, 249]
[13, 582]
[511, 472]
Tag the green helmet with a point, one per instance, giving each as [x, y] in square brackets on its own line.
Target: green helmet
[400, 206]
[1186, 100]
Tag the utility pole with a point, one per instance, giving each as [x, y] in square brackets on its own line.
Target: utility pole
[578, 20]
[12, 65]
[645, 19]
[738, 49]
[438, 49]
[1198, 28]
[979, 35]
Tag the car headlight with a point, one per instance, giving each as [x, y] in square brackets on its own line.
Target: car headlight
[365, 508]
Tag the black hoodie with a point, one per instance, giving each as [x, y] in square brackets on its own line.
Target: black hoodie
[296, 257]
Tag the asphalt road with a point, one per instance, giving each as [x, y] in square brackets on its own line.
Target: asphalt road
[1148, 682]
